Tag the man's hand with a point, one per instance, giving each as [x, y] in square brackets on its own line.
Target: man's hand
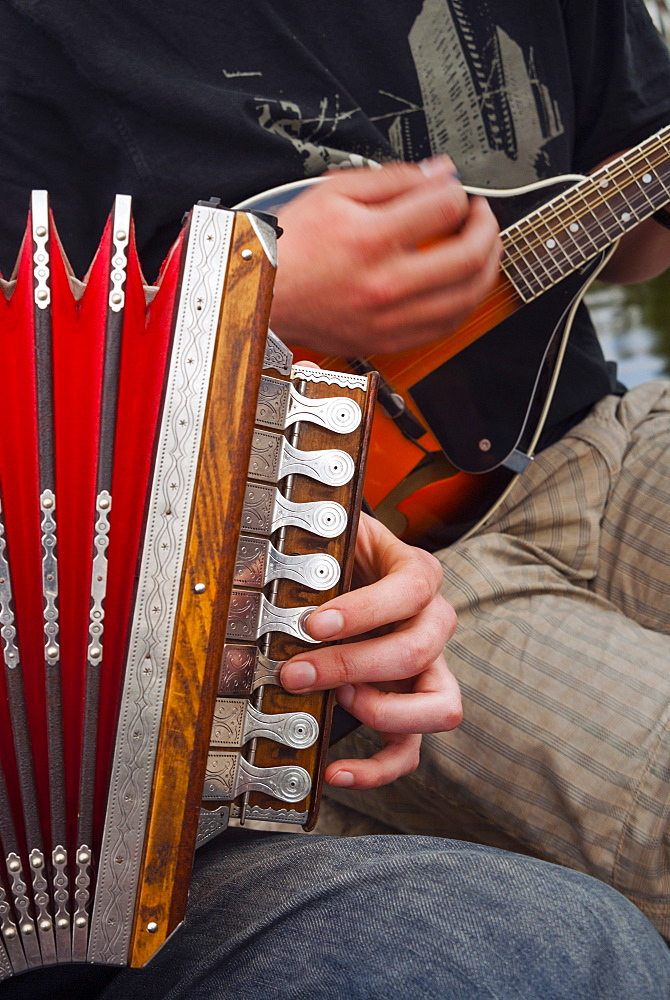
[393, 677]
[376, 261]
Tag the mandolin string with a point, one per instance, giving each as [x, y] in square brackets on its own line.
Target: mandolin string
[505, 296]
[569, 200]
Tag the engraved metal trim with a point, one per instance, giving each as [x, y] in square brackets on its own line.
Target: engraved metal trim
[273, 458]
[266, 509]
[267, 236]
[39, 210]
[120, 239]
[49, 577]
[236, 721]
[280, 405]
[277, 355]
[338, 413]
[80, 917]
[258, 562]
[45, 928]
[229, 775]
[273, 395]
[211, 823]
[270, 815]
[26, 923]
[61, 897]
[158, 586]
[10, 649]
[244, 669]
[345, 380]
[103, 505]
[267, 671]
[251, 615]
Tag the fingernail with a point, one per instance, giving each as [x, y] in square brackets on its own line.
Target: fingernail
[438, 165]
[343, 778]
[298, 675]
[325, 624]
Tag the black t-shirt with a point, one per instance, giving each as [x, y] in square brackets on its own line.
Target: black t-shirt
[177, 100]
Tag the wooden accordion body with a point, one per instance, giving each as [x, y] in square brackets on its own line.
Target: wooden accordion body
[170, 513]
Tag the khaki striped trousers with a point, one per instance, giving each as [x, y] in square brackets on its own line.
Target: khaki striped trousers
[563, 656]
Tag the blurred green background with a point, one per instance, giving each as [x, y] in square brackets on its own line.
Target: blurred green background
[634, 322]
[634, 327]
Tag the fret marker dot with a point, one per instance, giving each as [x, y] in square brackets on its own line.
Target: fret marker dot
[574, 227]
[550, 244]
[646, 178]
[625, 216]
[604, 182]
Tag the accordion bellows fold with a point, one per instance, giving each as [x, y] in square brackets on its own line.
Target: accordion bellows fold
[128, 425]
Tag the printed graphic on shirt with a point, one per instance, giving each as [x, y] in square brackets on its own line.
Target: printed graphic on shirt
[482, 102]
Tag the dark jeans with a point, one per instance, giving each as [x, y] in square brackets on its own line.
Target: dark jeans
[288, 917]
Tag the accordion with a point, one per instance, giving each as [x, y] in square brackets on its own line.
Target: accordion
[175, 498]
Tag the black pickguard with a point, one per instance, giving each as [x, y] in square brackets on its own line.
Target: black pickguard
[469, 401]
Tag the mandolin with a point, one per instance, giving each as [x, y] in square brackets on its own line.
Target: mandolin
[441, 459]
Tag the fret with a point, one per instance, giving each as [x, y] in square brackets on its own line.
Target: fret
[644, 187]
[665, 188]
[537, 254]
[576, 230]
[573, 227]
[523, 278]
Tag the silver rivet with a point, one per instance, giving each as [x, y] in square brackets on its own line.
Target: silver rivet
[10, 932]
[37, 862]
[246, 254]
[41, 231]
[121, 235]
[27, 929]
[104, 504]
[484, 444]
[95, 653]
[45, 925]
[51, 651]
[62, 924]
[200, 588]
[152, 926]
[80, 922]
[42, 295]
[47, 503]
[14, 866]
[116, 298]
[83, 857]
[59, 858]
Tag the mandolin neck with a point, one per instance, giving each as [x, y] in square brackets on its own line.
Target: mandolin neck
[590, 216]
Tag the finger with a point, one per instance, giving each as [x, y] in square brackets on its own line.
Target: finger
[436, 708]
[432, 209]
[401, 653]
[371, 186]
[399, 756]
[411, 581]
[423, 318]
[450, 261]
